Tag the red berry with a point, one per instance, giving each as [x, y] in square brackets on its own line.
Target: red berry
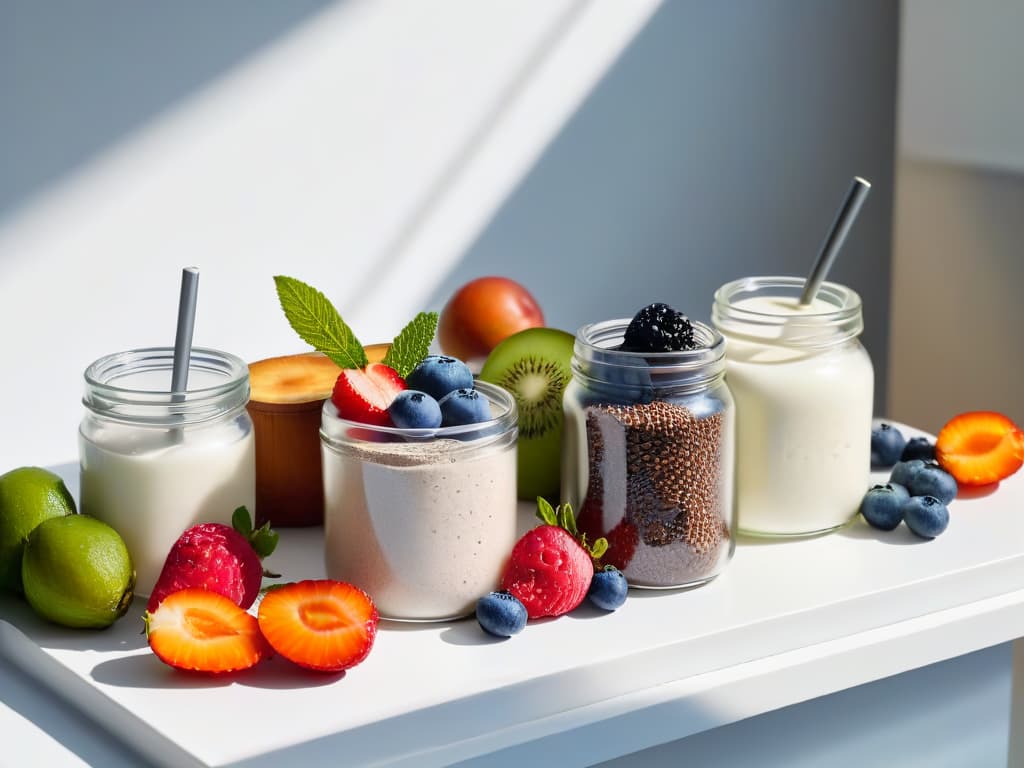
[199, 630]
[364, 395]
[548, 571]
[218, 558]
[323, 625]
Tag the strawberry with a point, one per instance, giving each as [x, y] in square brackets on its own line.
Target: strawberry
[364, 394]
[199, 630]
[323, 625]
[550, 569]
[980, 447]
[221, 558]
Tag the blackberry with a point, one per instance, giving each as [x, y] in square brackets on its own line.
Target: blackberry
[658, 328]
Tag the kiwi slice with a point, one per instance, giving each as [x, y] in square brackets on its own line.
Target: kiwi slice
[534, 365]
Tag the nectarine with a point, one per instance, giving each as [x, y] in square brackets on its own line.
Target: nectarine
[484, 312]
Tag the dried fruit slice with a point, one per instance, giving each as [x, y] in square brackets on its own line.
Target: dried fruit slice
[980, 447]
[323, 624]
[203, 631]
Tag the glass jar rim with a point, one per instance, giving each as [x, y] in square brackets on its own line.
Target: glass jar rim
[335, 429]
[839, 322]
[148, 405]
[591, 340]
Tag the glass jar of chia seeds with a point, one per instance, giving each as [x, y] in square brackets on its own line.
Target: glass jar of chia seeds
[648, 455]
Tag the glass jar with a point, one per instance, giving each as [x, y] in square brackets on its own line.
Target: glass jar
[154, 463]
[648, 455]
[804, 389]
[422, 520]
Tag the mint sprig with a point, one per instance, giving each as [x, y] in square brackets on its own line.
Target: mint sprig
[318, 323]
[412, 343]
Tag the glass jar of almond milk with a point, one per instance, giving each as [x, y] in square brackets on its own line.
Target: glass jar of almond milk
[803, 386]
[422, 520]
[155, 463]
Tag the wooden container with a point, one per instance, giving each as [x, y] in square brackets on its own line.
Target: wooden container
[287, 397]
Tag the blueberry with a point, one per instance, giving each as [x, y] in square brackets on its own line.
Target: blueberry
[412, 409]
[501, 614]
[608, 588]
[904, 472]
[933, 480]
[437, 375]
[926, 516]
[918, 448]
[658, 328]
[887, 444]
[464, 406]
[881, 505]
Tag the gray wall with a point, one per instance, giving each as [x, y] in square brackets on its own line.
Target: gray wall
[719, 146]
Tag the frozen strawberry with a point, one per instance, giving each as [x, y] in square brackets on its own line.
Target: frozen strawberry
[550, 568]
[323, 625]
[221, 558]
[364, 395]
[199, 630]
[980, 447]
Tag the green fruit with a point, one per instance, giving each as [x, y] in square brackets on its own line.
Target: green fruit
[77, 572]
[534, 365]
[28, 496]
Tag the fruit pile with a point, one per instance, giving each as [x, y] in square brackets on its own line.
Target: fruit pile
[549, 573]
[975, 448]
[197, 618]
[72, 569]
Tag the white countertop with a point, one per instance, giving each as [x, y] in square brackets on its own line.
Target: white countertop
[785, 622]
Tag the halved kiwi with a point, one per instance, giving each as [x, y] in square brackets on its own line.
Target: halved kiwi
[534, 365]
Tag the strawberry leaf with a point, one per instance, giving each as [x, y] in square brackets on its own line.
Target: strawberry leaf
[598, 548]
[264, 540]
[568, 520]
[241, 521]
[545, 512]
[318, 323]
[411, 344]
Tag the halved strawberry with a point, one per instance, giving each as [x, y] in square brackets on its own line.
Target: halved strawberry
[203, 631]
[364, 394]
[980, 447]
[323, 625]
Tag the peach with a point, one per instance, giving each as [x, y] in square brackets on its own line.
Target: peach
[483, 313]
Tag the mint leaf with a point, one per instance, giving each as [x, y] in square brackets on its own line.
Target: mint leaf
[412, 344]
[318, 323]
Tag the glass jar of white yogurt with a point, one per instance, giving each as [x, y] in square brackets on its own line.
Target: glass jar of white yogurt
[647, 455]
[422, 520]
[153, 463]
[804, 394]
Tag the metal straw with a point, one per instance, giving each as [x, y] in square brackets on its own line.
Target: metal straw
[186, 324]
[845, 217]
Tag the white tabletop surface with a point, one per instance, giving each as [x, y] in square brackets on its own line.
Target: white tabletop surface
[785, 622]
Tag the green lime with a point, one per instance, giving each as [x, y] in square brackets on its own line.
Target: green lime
[77, 572]
[28, 496]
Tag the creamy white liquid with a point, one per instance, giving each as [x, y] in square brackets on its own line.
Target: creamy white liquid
[803, 437]
[424, 532]
[150, 485]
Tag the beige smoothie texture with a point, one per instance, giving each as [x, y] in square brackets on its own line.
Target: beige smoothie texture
[425, 528]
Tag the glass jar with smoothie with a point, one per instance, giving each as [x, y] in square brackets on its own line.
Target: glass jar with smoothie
[648, 454]
[803, 385]
[421, 519]
[155, 463]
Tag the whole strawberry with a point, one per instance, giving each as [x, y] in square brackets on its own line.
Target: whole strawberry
[551, 565]
[219, 558]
